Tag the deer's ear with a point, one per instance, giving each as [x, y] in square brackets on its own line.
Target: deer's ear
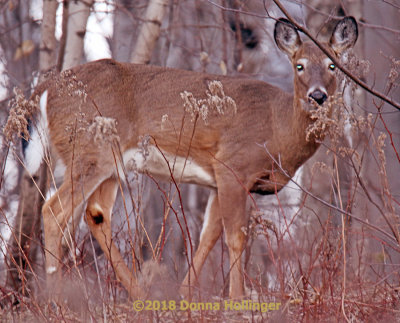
[286, 37]
[344, 35]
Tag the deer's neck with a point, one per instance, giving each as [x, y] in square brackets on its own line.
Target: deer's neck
[300, 123]
[299, 149]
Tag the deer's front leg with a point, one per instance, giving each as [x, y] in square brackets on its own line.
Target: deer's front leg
[98, 217]
[56, 213]
[212, 229]
[232, 209]
[54, 221]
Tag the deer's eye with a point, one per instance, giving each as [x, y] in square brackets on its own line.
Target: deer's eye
[332, 67]
[299, 67]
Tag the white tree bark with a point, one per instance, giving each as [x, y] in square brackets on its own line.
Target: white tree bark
[47, 54]
[149, 32]
[78, 15]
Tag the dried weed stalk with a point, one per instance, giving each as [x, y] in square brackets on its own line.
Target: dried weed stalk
[323, 168]
[68, 84]
[216, 102]
[259, 225]
[155, 279]
[328, 119]
[21, 112]
[380, 146]
[394, 71]
[357, 66]
[143, 147]
[104, 130]
[164, 120]
[386, 194]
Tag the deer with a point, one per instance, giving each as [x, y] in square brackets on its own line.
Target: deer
[210, 130]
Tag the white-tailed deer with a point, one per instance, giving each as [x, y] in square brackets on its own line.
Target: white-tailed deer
[199, 128]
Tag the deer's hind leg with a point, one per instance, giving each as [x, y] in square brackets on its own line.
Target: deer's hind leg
[98, 217]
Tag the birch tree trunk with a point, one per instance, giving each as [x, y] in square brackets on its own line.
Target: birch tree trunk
[149, 32]
[79, 12]
[48, 42]
[25, 237]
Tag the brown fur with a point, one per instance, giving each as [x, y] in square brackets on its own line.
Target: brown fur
[229, 147]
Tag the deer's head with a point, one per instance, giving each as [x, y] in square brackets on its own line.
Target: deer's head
[314, 72]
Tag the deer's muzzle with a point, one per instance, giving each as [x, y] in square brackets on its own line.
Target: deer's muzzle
[318, 96]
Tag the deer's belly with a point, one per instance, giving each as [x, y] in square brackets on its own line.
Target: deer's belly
[269, 183]
[164, 166]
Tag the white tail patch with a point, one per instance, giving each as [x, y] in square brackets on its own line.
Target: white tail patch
[38, 142]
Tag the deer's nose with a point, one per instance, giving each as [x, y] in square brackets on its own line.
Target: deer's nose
[318, 96]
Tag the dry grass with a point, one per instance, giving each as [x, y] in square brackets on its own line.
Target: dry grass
[323, 277]
[216, 103]
[325, 260]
